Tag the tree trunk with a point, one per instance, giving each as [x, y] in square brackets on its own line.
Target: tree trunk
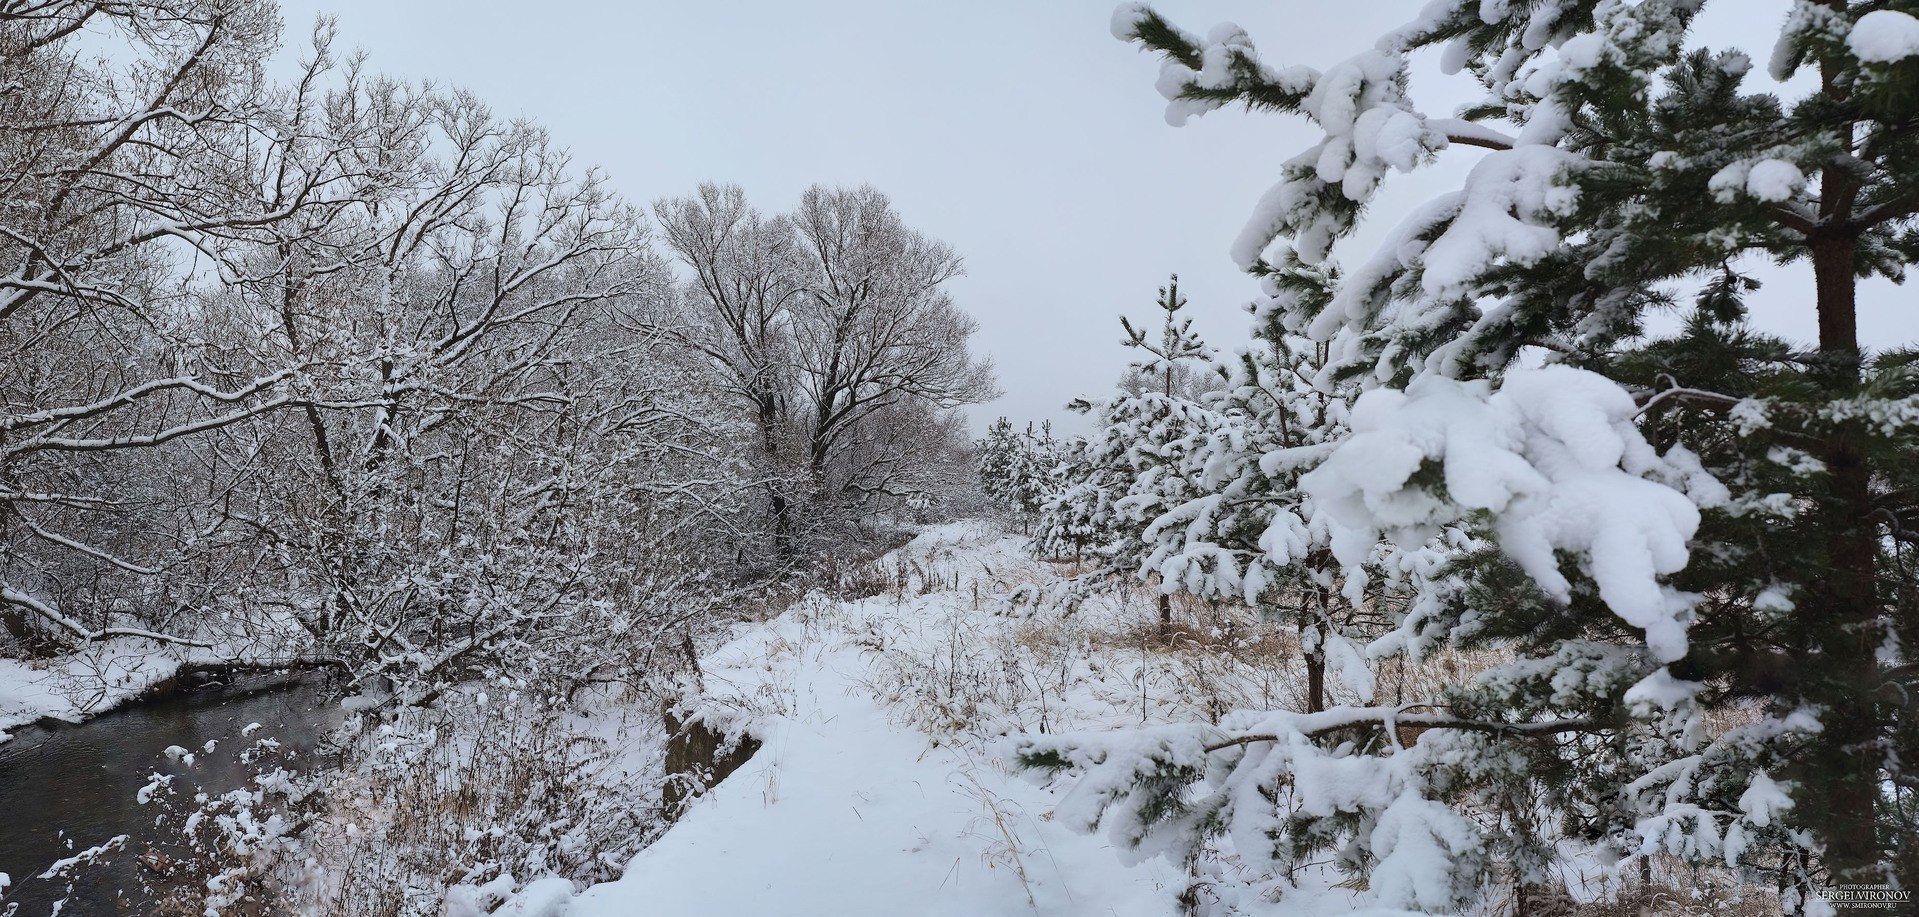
[1315, 671]
[1844, 762]
[19, 628]
[782, 526]
[1320, 628]
[335, 540]
[782, 508]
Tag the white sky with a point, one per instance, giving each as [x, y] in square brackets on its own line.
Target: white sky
[1020, 132]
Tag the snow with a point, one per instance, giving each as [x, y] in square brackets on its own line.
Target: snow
[1419, 846]
[1219, 50]
[1126, 20]
[1417, 840]
[1768, 180]
[848, 809]
[82, 684]
[1556, 459]
[1773, 599]
[1506, 213]
[1764, 799]
[885, 784]
[1348, 664]
[100, 676]
[157, 782]
[850, 815]
[548, 897]
[1584, 52]
[1457, 54]
[1662, 690]
[359, 703]
[1509, 198]
[1370, 129]
[1884, 37]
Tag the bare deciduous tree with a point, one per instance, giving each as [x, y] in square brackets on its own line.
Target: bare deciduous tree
[834, 331]
[875, 328]
[746, 280]
[120, 192]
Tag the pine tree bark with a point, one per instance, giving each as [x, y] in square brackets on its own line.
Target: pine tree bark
[1844, 763]
[1321, 629]
[1316, 681]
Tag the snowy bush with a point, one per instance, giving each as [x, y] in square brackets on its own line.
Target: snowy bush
[421, 812]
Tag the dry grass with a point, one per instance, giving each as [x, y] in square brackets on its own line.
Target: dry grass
[1666, 886]
[1110, 661]
[1052, 669]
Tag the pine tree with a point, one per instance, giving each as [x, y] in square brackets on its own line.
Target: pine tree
[1246, 533]
[1115, 482]
[1022, 469]
[994, 457]
[1695, 545]
[1177, 345]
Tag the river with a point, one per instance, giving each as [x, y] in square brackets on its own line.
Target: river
[66, 788]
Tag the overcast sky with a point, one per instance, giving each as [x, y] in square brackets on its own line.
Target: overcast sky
[1019, 132]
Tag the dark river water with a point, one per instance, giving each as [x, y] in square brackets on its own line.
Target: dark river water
[71, 787]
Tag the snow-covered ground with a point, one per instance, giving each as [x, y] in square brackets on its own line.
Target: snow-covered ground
[883, 787]
[91, 681]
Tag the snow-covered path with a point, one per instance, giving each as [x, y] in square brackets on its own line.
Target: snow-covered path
[849, 809]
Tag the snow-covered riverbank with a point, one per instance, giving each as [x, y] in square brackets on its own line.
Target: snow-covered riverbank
[86, 683]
